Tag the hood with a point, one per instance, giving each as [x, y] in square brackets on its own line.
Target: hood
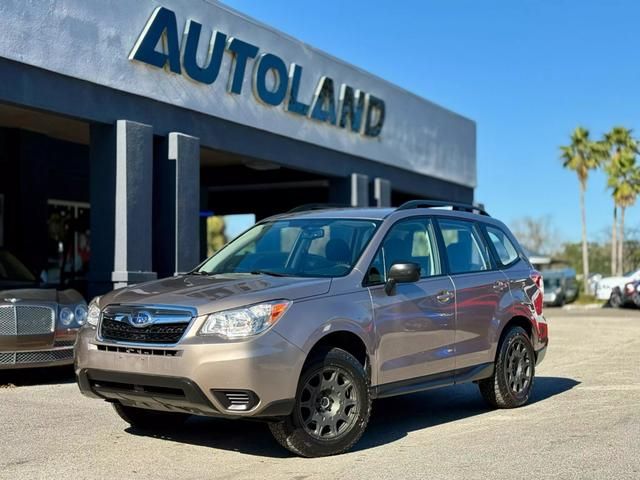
[48, 295]
[217, 292]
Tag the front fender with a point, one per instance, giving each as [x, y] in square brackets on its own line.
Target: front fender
[310, 320]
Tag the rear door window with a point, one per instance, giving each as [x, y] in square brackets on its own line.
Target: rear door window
[505, 250]
[466, 252]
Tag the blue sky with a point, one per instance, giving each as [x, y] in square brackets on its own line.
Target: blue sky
[526, 71]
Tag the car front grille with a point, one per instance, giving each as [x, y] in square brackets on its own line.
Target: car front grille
[167, 327]
[26, 320]
[166, 333]
[30, 358]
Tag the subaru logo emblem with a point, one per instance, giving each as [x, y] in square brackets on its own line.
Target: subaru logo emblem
[141, 319]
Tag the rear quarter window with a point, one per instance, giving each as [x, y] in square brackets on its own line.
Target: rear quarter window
[504, 248]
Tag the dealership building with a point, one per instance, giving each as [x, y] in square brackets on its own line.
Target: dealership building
[125, 125]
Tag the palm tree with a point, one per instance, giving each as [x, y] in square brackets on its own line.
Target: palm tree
[623, 181]
[581, 156]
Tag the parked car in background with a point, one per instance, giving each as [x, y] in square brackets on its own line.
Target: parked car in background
[306, 317]
[38, 325]
[560, 286]
[607, 284]
[626, 296]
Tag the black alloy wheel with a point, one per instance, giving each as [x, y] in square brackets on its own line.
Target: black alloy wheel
[332, 407]
[328, 404]
[514, 370]
[519, 369]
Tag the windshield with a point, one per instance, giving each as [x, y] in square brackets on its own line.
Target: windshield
[550, 283]
[300, 247]
[12, 269]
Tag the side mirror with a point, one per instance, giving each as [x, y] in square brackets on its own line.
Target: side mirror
[401, 273]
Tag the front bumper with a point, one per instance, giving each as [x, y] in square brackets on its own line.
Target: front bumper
[192, 376]
[604, 293]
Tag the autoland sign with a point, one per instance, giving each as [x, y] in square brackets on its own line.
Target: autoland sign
[274, 83]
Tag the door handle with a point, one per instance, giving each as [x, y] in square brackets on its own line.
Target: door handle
[500, 285]
[444, 296]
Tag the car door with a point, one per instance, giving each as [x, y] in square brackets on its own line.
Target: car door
[479, 289]
[415, 323]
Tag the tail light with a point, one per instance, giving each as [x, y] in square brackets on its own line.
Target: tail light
[538, 297]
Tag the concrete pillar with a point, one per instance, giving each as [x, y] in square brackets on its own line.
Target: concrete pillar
[184, 152]
[359, 190]
[353, 190]
[176, 223]
[102, 194]
[133, 204]
[381, 192]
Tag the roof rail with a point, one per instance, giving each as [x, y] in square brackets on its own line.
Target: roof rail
[317, 206]
[464, 207]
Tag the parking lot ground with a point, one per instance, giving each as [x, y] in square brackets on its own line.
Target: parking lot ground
[583, 422]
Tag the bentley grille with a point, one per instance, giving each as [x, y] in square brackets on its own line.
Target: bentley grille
[26, 320]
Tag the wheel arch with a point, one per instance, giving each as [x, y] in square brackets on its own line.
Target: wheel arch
[346, 340]
[516, 321]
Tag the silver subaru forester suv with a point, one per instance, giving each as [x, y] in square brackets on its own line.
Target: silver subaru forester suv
[308, 316]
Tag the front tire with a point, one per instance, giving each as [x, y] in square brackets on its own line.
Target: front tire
[149, 419]
[332, 407]
[512, 380]
[615, 300]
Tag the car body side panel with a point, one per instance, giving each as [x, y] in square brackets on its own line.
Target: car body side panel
[522, 288]
[415, 330]
[483, 304]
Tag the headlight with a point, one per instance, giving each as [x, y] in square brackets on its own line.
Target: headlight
[66, 316]
[81, 314]
[93, 314]
[244, 322]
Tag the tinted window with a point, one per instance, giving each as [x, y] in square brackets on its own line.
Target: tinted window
[300, 247]
[504, 248]
[408, 241]
[12, 269]
[465, 250]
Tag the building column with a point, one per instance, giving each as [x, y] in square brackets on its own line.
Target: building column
[184, 153]
[176, 225]
[133, 204]
[352, 190]
[381, 192]
[102, 189]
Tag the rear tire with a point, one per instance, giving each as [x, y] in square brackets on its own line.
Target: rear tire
[149, 419]
[332, 407]
[513, 374]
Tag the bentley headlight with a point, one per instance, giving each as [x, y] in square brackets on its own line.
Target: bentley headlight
[93, 314]
[246, 321]
[80, 314]
[66, 316]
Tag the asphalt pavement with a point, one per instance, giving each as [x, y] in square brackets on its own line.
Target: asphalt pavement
[583, 422]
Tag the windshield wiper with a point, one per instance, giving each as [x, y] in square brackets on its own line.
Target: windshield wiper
[199, 272]
[267, 272]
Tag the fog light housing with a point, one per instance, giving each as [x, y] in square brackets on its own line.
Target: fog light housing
[236, 400]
